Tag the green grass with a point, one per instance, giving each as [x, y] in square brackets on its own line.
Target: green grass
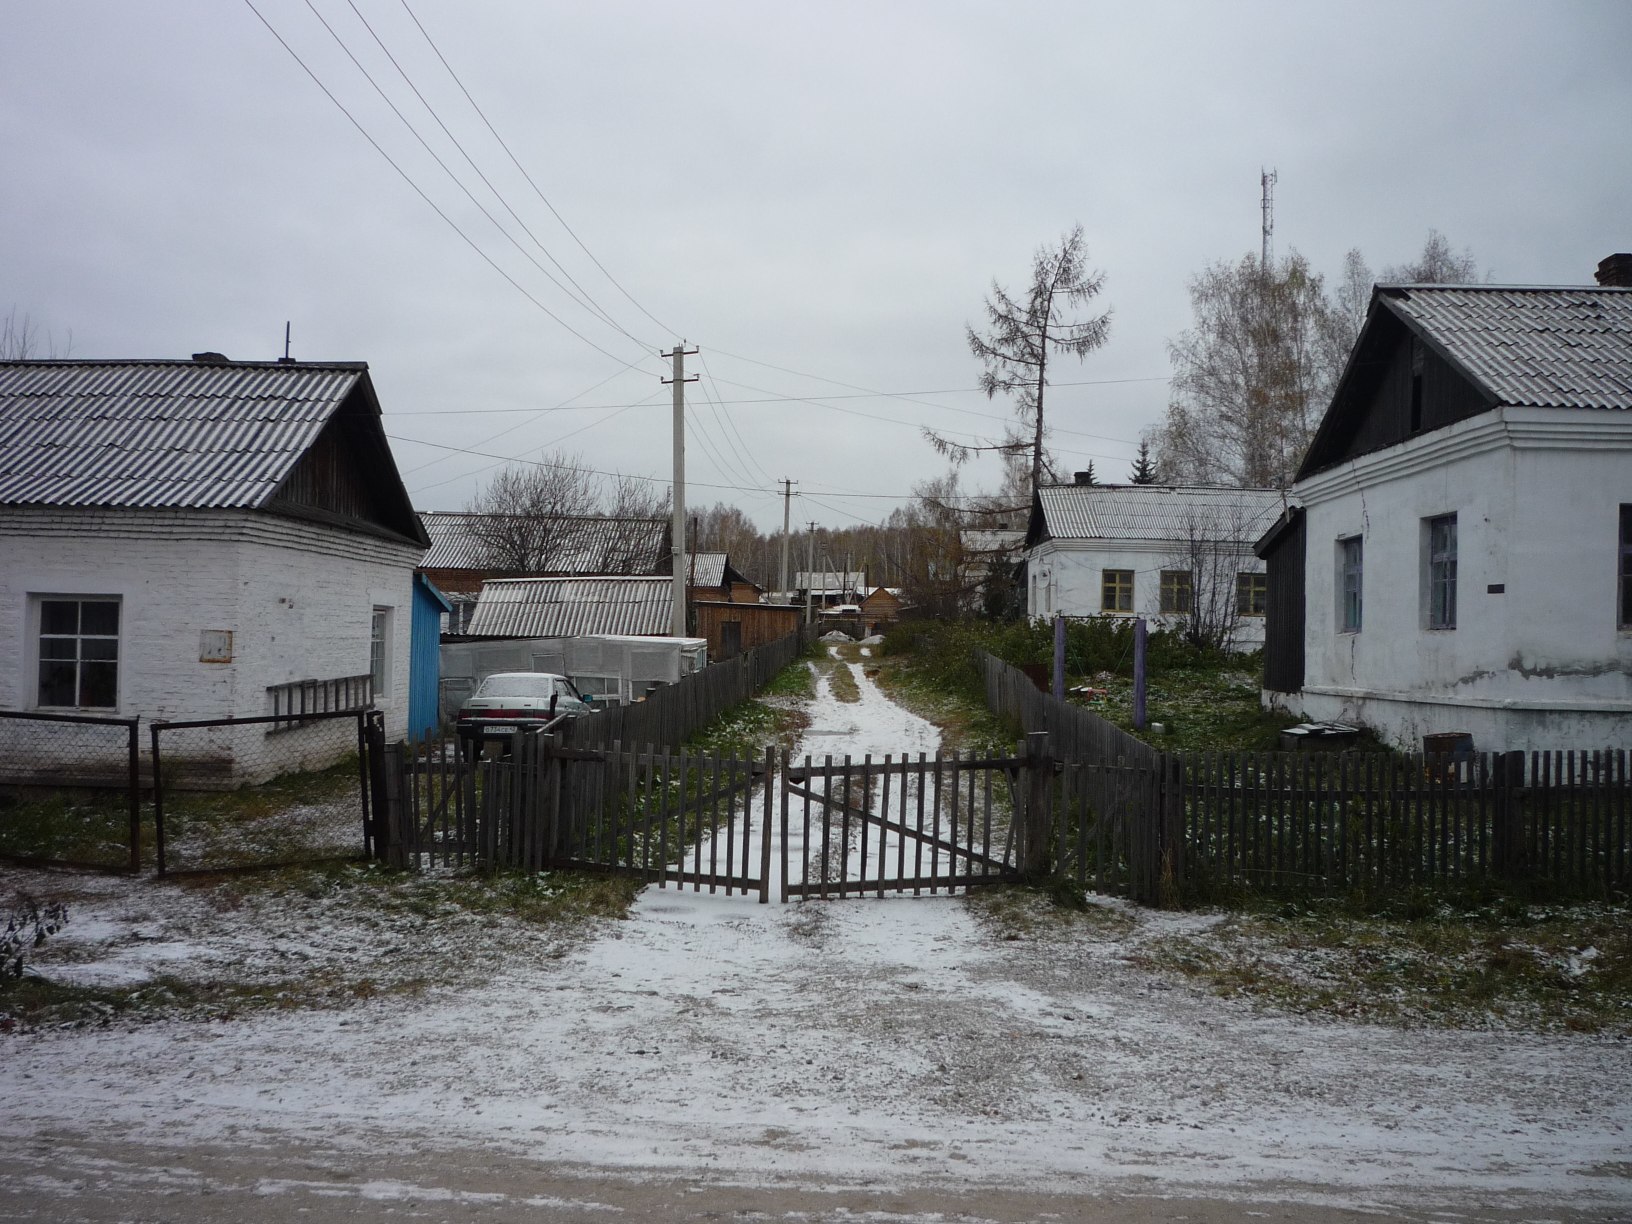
[73, 826]
[1423, 961]
[1011, 913]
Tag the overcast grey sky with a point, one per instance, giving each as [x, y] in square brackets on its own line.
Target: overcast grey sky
[827, 188]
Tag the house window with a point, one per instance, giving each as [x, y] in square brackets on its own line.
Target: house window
[1116, 591]
[1350, 563]
[79, 653]
[1176, 591]
[1442, 572]
[1626, 567]
[1251, 593]
[379, 652]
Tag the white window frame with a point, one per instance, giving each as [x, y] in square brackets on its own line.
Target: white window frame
[38, 636]
[1440, 549]
[379, 651]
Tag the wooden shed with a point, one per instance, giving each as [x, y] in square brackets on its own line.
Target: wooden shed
[732, 628]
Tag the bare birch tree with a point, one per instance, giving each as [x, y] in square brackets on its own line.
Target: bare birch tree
[559, 516]
[1021, 335]
[1436, 264]
[1212, 551]
[1251, 378]
[21, 338]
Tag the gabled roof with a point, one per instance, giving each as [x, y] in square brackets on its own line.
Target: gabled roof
[1512, 345]
[200, 434]
[568, 607]
[713, 569]
[1151, 512]
[828, 582]
[582, 544]
[1533, 347]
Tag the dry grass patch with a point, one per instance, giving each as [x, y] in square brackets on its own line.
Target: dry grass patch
[1505, 966]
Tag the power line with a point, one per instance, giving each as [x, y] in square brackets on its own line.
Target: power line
[588, 301]
[517, 163]
[470, 242]
[784, 399]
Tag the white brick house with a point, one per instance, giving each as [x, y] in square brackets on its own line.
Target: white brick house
[1462, 561]
[1155, 551]
[201, 539]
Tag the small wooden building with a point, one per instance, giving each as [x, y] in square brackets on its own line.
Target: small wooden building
[732, 628]
[880, 608]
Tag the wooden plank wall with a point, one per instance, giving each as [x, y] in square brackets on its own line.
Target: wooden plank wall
[674, 713]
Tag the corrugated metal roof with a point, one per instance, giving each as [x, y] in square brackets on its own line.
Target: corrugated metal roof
[1534, 347]
[567, 607]
[828, 582]
[583, 545]
[706, 569]
[159, 433]
[1157, 512]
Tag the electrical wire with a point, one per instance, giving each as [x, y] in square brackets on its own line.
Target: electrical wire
[517, 163]
[588, 301]
[417, 190]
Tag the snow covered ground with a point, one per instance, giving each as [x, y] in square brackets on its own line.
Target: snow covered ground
[894, 1043]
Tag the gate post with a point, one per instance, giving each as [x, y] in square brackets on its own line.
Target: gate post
[391, 842]
[1039, 795]
[765, 830]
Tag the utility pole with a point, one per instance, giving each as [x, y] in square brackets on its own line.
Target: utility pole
[810, 572]
[677, 618]
[787, 505]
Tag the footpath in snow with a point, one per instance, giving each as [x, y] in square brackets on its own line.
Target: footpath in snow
[894, 1043]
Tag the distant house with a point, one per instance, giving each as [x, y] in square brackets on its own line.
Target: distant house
[467, 549]
[203, 539]
[711, 576]
[1462, 561]
[572, 607]
[880, 608]
[828, 588]
[1161, 552]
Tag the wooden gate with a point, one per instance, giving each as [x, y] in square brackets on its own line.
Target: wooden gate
[933, 825]
[659, 815]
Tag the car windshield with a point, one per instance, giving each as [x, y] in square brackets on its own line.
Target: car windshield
[517, 686]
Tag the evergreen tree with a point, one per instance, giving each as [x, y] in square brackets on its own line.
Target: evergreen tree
[1144, 471]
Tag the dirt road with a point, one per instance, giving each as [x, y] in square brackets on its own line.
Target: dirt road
[710, 1057]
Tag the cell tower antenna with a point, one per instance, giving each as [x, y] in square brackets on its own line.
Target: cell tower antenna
[1268, 179]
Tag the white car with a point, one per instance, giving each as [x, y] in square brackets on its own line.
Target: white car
[508, 702]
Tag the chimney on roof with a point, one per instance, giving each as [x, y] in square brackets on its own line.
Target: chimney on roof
[1082, 478]
[1615, 272]
[210, 358]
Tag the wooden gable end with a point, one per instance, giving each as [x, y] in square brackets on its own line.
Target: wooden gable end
[347, 478]
[1398, 385]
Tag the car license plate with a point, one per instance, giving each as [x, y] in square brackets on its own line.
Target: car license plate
[499, 731]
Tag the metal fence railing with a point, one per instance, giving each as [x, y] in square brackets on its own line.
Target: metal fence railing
[236, 793]
[70, 790]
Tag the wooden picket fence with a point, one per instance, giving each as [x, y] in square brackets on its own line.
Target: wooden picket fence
[674, 713]
[672, 817]
[1151, 825]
